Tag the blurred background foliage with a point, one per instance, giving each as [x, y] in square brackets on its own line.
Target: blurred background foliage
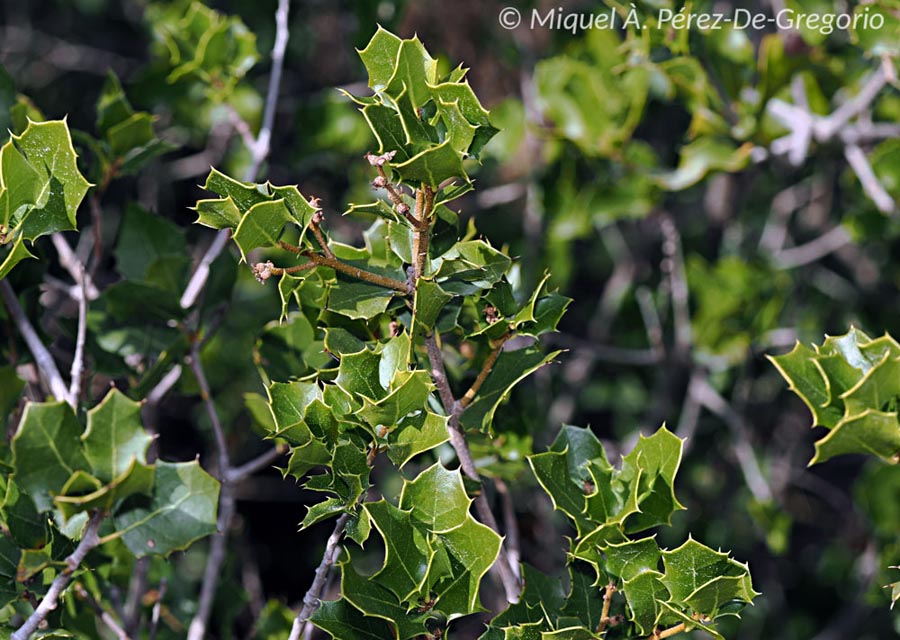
[647, 170]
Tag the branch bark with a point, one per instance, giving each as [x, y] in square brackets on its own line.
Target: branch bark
[50, 601]
[45, 363]
[312, 598]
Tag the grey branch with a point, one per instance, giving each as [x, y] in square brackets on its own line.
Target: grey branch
[45, 363]
[247, 469]
[868, 179]
[314, 594]
[89, 540]
[804, 254]
[77, 369]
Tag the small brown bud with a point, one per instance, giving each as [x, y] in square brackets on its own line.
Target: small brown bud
[318, 217]
[379, 182]
[491, 314]
[314, 203]
[402, 208]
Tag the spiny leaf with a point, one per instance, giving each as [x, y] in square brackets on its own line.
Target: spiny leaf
[115, 437]
[46, 451]
[181, 510]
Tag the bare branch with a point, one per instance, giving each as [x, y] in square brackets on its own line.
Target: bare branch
[89, 540]
[217, 552]
[826, 128]
[45, 363]
[221, 445]
[312, 598]
[814, 250]
[157, 608]
[78, 359]
[70, 262]
[247, 469]
[868, 179]
[703, 393]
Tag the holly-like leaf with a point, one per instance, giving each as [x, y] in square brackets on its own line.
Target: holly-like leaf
[851, 384]
[691, 568]
[204, 44]
[437, 498]
[345, 622]
[115, 436]
[408, 553]
[181, 509]
[46, 451]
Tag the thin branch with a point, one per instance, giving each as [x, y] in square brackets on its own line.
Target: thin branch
[217, 552]
[871, 185]
[157, 608]
[259, 152]
[826, 128]
[221, 445]
[678, 284]
[607, 601]
[671, 631]
[78, 359]
[50, 601]
[707, 396]
[809, 252]
[218, 547]
[312, 598]
[45, 363]
[510, 525]
[264, 270]
[70, 262]
[314, 226]
[100, 612]
[237, 474]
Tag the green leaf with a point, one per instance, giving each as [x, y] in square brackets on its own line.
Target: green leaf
[47, 147]
[408, 554]
[380, 58]
[702, 156]
[9, 562]
[410, 396]
[510, 368]
[644, 594]
[690, 567]
[415, 435]
[629, 559]
[359, 300]
[471, 549]
[27, 527]
[218, 214]
[206, 45]
[429, 301]
[436, 498]
[181, 510]
[873, 432]
[655, 460]
[144, 240]
[261, 226]
[374, 600]
[115, 436]
[46, 451]
[345, 622]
